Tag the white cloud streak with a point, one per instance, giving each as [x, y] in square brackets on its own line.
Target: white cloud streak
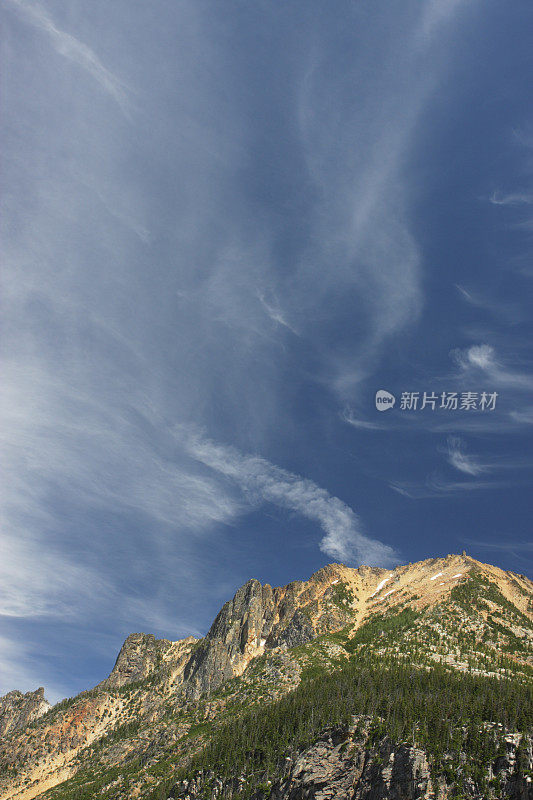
[355, 147]
[14, 674]
[276, 314]
[511, 313]
[482, 357]
[436, 13]
[74, 50]
[57, 439]
[36, 580]
[503, 545]
[460, 460]
[260, 480]
[438, 486]
[516, 199]
[350, 418]
[525, 416]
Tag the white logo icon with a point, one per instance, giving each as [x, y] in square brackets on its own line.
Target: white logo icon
[384, 400]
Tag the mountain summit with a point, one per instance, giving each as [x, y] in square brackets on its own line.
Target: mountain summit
[362, 683]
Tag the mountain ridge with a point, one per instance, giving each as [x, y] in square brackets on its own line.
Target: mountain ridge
[265, 642]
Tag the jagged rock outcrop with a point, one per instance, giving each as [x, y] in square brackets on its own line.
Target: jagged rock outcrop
[234, 637]
[139, 656]
[17, 710]
[261, 618]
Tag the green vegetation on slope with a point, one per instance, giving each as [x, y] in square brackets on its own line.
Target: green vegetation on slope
[442, 711]
[473, 594]
[341, 595]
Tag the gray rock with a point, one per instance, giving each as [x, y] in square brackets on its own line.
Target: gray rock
[342, 765]
[17, 710]
[140, 655]
[257, 618]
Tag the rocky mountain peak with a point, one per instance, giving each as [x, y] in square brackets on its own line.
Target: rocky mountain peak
[140, 655]
[17, 710]
[260, 618]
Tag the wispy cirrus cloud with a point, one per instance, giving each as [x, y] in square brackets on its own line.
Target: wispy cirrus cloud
[437, 485]
[59, 439]
[525, 416]
[511, 544]
[461, 460]
[435, 14]
[263, 482]
[510, 312]
[39, 580]
[506, 545]
[496, 468]
[482, 357]
[521, 199]
[17, 669]
[512, 199]
[249, 242]
[74, 50]
[350, 417]
[362, 222]
[275, 312]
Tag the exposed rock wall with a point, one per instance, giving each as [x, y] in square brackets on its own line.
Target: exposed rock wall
[342, 765]
[139, 656]
[261, 618]
[17, 710]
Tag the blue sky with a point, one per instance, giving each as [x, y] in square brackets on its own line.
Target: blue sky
[225, 227]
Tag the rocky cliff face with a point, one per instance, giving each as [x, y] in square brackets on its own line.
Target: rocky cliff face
[343, 765]
[261, 618]
[139, 656]
[163, 699]
[17, 710]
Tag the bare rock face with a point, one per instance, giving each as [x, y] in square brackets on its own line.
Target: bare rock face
[234, 637]
[328, 769]
[342, 765]
[17, 710]
[139, 656]
[261, 618]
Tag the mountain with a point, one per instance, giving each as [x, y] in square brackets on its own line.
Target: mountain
[367, 683]
[17, 710]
